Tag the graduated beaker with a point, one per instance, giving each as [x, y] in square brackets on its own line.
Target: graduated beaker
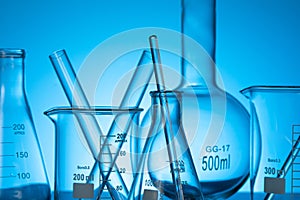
[74, 160]
[275, 120]
[22, 171]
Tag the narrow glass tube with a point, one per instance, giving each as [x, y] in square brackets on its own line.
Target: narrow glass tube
[77, 98]
[166, 116]
[140, 79]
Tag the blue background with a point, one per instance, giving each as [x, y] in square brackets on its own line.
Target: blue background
[257, 42]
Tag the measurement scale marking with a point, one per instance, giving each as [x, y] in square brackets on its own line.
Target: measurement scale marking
[105, 181]
[108, 136]
[108, 145]
[7, 155]
[7, 166]
[105, 162]
[108, 171]
[111, 136]
[8, 176]
[6, 142]
[108, 153]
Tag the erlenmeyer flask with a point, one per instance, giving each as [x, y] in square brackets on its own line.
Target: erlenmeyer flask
[160, 170]
[215, 124]
[22, 171]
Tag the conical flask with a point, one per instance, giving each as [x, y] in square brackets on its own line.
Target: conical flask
[160, 170]
[215, 124]
[22, 170]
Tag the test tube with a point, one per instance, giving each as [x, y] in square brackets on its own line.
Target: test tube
[140, 79]
[77, 98]
[160, 84]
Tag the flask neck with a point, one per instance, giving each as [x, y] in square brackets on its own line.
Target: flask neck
[173, 99]
[12, 74]
[198, 23]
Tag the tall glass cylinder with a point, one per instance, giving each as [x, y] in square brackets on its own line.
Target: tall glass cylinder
[198, 22]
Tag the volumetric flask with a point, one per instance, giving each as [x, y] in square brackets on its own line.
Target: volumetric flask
[22, 171]
[75, 175]
[275, 120]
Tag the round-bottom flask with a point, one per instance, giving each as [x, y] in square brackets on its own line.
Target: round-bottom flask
[218, 140]
[214, 123]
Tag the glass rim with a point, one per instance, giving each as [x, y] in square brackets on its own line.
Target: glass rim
[58, 53]
[12, 53]
[93, 110]
[270, 88]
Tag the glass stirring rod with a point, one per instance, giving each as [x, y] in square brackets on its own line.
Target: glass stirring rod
[169, 134]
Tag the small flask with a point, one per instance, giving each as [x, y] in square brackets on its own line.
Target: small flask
[22, 170]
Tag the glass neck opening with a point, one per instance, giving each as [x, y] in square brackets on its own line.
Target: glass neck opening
[12, 72]
[12, 53]
[198, 43]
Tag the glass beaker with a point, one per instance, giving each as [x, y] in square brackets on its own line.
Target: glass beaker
[215, 124]
[22, 170]
[275, 115]
[74, 160]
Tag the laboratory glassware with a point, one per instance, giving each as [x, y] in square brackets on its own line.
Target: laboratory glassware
[132, 97]
[275, 120]
[161, 174]
[22, 170]
[175, 157]
[215, 123]
[74, 159]
[76, 97]
[134, 94]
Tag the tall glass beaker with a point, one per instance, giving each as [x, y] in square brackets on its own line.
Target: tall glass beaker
[216, 124]
[22, 171]
[74, 160]
[275, 120]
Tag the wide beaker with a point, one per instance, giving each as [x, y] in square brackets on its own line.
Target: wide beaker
[22, 170]
[74, 160]
[275, 120]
